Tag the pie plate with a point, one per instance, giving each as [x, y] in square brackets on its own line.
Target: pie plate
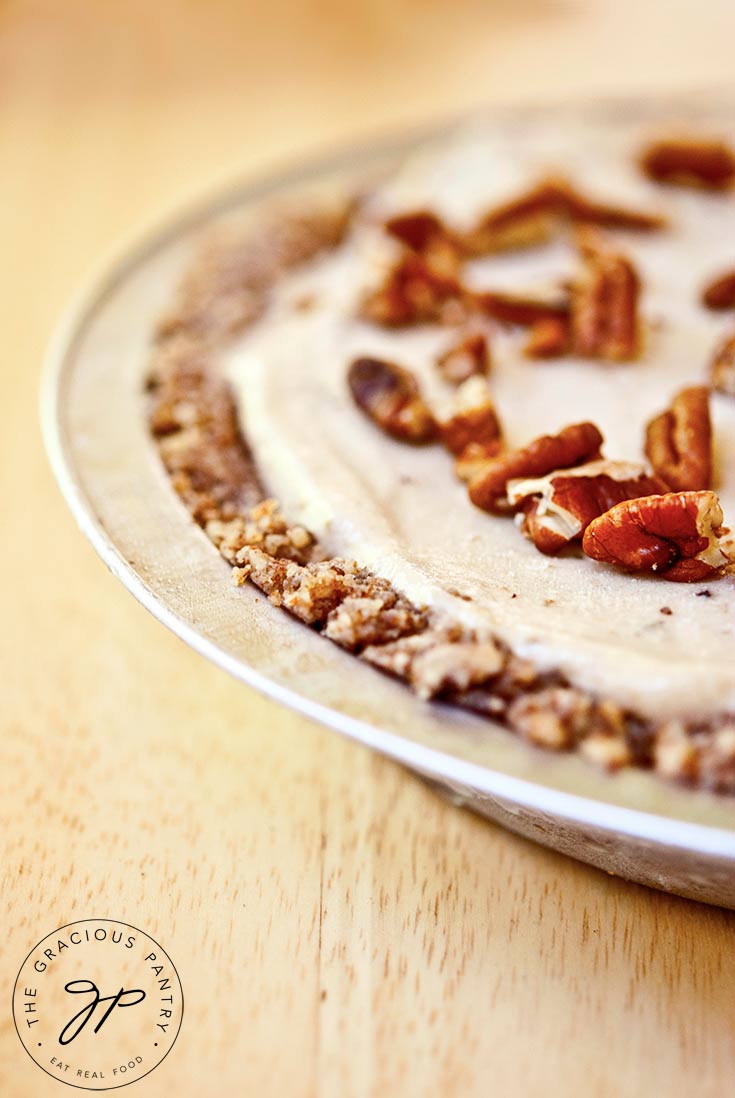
[94, 418]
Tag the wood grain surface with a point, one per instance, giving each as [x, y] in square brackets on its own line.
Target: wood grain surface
[338, 929]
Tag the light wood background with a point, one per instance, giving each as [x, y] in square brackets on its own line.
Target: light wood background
[339, 930]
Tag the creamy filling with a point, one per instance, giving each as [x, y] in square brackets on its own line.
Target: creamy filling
[400, 510]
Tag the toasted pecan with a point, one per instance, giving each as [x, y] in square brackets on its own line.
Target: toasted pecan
[412, 292]
[462, 360]
[604, 311]
[679, 441]
[678, 535]
[720, 293]
[559, 507]
[549, 337]
[690, 162]
[722, 368]
[390, 396]
[518, 309]
[473, 430]
[534, 215]
[573, 445]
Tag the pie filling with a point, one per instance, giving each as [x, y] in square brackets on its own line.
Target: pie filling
[381, 547]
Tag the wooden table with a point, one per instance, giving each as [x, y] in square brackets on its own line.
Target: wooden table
[338, 929]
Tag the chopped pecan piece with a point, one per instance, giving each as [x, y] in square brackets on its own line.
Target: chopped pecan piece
[722, 370]
[390, 396]
[549, 337]
[720, 293]
[518, 309]
[690, 162]
[413, 292]
[440, 661]
[679, 441]
[605, 303]
[473, 429]
[263, 527]
[679, 535]
[362, 620]
[416, 230]
[464, 359]
[425, 233]
[554, 718]
[558, 508]
[574, 445]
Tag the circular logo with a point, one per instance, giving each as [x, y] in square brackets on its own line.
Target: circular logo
[98, 1004]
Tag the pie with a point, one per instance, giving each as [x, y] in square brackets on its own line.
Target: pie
[475, 423]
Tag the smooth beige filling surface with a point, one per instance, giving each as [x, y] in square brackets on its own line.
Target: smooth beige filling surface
[401, 511]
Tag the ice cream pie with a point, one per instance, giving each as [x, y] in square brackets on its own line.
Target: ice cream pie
[493, 397]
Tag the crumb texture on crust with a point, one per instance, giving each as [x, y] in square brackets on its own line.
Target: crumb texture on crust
[194, 422]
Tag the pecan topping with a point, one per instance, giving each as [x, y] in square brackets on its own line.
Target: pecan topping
[548, 338]
[585, 211]
[464, 359]
[417, 230]
[425, 233]
[722, 370]
[720, 293]
[679, 536]
[518, 309]
[558, 508]
[529, 219]
[690, 162]
[473, 431]
[605, 303]
[679, 441]
[390, 396]
[412, 292]
[574, 445]
[535, 215]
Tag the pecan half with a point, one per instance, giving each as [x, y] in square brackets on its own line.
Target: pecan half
[605, 302]
[549, 337]
[518, 309]
[411, 293]
[679, 536]
[577, 443]
[390, 396]
[473, 431]
[720, 293]
[528, 219]
[679, 441]
[722, 369]
[465, 359]
[558, 508]
[690, 162]
[535, 215]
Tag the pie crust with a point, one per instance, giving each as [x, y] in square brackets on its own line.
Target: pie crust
[374, 544]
